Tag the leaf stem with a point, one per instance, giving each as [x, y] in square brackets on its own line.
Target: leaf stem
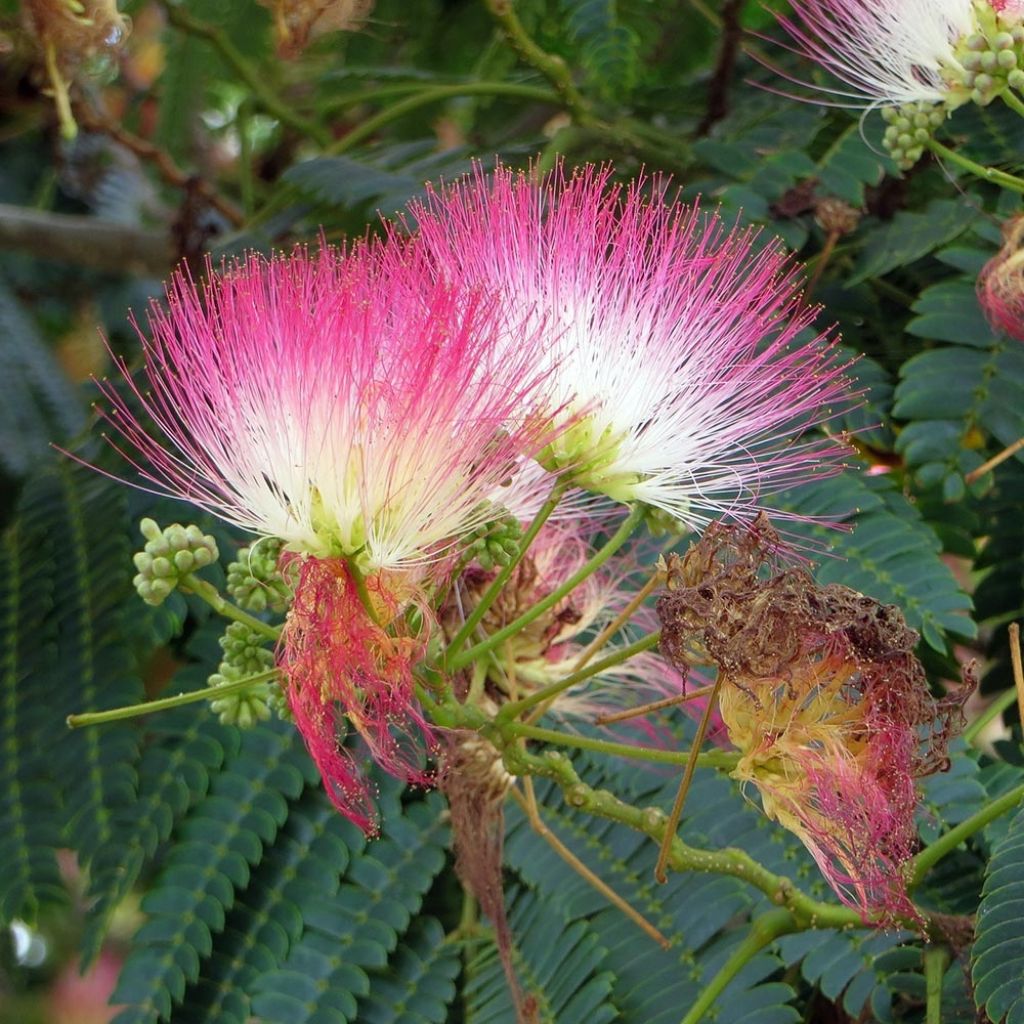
[950, 840]
[499, 581]
[625, 530]
[515, 708]
[192, 584]
[710, 759]
[166, 703]
[434, 93]
[991, 174]
[998, 705]
[763, 931]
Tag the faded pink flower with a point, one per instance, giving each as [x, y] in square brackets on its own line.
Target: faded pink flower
[344, 670]
[673, 342]
[340, 401]
[826, 702]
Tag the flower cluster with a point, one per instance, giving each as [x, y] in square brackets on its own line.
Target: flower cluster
[825, 700]
[387, 414]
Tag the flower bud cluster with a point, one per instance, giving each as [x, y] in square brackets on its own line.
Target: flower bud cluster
[909, 128]
[992, 58]
[170, 554]
[255, 581]
[244, 655]
[495, 543]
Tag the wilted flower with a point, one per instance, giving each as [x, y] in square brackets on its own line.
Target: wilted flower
[673, 340]
[1001, 283]
[823, 696]
[913, 54]
[345, 669]
[299, 22]
[69, 32]
[339, 402]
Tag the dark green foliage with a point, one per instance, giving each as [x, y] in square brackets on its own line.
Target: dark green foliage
[998, 956]
[608, 47]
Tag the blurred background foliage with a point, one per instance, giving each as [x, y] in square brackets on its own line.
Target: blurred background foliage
[203, 866]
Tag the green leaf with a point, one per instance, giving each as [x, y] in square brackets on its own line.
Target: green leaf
[998, 953]
[608, 48]
[910, 236]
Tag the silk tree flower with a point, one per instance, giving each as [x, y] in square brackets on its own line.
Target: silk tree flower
[1001, 282]
[911, 53]
[826, 702]
[340, 402]
[366, 416]
[674, 341]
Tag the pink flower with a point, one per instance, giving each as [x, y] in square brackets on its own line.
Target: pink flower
[343, 402]
[674, 342]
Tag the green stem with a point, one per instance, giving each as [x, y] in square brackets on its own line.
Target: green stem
[808, 912]
[948, 842]
[763, 931]
[166, 703]
[517, 707]
[629, 524]
[935, 960]
[709, 759]
[257, 83]
[359, 582]
[1003, 701]
[192, 584]
[1013, 101]
[499, 581]
[992, 174]
[551, 66]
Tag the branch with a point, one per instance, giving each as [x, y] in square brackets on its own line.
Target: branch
[718, 89]
[86, 241]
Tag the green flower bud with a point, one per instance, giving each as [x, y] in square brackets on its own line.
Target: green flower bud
[254, 581]
[1015, 79]
[989, 61]
[1007, 59]
[976, 42]
[1003, 41]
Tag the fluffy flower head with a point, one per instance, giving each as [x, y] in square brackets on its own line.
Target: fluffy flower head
[343, 402]
[1001, 283]
[671, 339]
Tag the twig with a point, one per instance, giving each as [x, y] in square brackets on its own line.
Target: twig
[721, 79]
[162, 160]
[684, 786]
[86, 241]
[1018, 672]
[529, 805]
[1007, 453]
[656, 705]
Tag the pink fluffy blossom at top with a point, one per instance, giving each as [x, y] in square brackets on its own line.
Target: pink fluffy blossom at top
[341, 401]
[886, 52]
[675, 341]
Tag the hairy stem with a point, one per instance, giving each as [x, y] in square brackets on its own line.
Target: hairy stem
[624, 532]
[551, 66]
[166, 703]
[950, 840]
[763, 931]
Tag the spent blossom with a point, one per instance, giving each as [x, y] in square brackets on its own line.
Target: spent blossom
[1001, 282]
[674, 342]
[339, 401]
[826, 702]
